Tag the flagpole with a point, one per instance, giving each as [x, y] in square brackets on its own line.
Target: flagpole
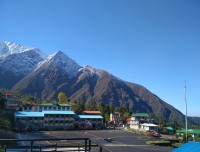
[185, 113]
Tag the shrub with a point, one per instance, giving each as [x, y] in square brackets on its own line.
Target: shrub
[159, 142]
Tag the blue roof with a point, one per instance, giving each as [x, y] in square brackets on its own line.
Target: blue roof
[41, 114]
[29, 114]
[189, 147]
[59, 112]
[89, 116]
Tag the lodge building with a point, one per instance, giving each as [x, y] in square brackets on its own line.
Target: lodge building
[54, 117]
[89, 120]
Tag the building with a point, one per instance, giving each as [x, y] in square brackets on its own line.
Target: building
[54, 107]
[30, 107]
[137, 119]
[141, 121]
[168, 130]
[55, 117]
[148, 127]
[88, 122]
[45, 117]
[12, 102]
[46, 107]
[116, 119]
[192, 132]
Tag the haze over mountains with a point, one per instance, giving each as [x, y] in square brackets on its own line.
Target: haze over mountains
[29, 72]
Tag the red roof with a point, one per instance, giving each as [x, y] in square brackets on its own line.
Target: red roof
[92, 112]
[31, 104]
[12, 105]
[8, 95]
[128, 119]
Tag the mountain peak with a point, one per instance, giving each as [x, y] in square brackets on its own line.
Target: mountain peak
[58, 54]
[62, 61]
[10, 48]
[91, 70]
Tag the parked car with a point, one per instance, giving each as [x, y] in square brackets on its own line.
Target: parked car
[153, 133]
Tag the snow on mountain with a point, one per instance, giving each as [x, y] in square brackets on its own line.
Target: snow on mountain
[91, 70]
[10, 48]
[21, 60]
[24, 60]
[63, 62]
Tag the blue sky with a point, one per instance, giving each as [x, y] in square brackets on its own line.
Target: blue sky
[155, 43]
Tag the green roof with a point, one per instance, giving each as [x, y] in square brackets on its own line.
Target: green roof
[50, 104]
[169, 128]
[140, 115]
[64, 105]
[190, 131]
[46, 104]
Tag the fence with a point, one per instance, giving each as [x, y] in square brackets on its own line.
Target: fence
[54, 145]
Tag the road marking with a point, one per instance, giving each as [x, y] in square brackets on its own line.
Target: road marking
[48, 142]
[137, 146]
[125, 145]
[94, 135]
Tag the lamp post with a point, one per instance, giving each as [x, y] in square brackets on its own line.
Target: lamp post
[185, 114]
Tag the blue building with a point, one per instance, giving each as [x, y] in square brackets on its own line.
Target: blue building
[88, 122]
[54, 117]
[45, 117]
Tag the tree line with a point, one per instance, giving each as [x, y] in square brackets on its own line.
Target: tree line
[106, 110]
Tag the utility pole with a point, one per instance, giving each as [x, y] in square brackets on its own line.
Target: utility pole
[185, 115]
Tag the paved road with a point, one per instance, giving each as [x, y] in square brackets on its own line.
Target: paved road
[114, 140]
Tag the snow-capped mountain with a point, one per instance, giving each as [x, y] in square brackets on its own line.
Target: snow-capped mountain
[63, 62]
[9, 48]
[17, 61]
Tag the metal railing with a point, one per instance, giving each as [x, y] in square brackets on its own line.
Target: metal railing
[54, 144]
